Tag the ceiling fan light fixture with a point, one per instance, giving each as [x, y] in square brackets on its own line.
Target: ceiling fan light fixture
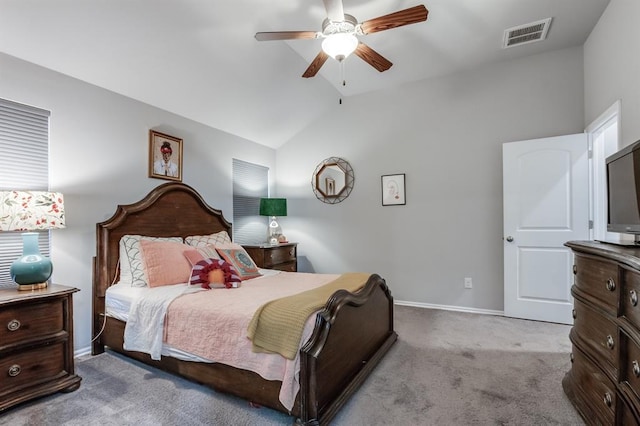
[340, 45]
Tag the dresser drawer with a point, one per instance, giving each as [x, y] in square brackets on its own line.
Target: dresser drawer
[630, 363]
[597, 397]
[280, 255]
[599, 279]
[631, 296]
[32, 367]
[598, 333]
[21, 322]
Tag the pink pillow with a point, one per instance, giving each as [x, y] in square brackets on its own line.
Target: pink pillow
[165, 262]
[193, 256]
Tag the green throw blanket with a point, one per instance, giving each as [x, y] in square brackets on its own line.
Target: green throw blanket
[276, 327]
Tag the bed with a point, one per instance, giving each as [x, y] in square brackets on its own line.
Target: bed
[348, 338]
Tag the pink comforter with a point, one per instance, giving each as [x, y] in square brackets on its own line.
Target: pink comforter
[213, 324]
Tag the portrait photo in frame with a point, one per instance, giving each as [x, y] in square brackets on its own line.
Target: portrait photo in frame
[165, 156]
[393, 190]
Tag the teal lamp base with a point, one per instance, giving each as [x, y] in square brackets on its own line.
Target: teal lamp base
[32, 270]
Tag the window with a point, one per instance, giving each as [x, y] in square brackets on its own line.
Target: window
[250, 183]
[24, 164]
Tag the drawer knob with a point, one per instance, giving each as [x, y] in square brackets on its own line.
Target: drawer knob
[573, 313]
[610, 342]
[13, 325]
[636, 368]
[611, 284]
[607, 399]
[633, 297]
[14, 370]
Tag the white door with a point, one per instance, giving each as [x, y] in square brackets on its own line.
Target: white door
[546, 203]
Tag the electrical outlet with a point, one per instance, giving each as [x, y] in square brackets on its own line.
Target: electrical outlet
[468, 283]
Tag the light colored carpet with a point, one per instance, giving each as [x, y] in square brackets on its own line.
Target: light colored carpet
[447, 368]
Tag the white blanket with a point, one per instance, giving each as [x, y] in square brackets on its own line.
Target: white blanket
[144, 329]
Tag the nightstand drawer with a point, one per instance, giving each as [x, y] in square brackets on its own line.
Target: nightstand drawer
[287, 266]
[28, 368]
[280, 255]
[283, 257]
[22, 322]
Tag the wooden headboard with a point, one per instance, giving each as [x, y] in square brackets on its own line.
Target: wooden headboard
[169, 210]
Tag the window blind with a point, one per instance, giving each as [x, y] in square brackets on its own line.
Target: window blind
[24, 165]
[250, 183]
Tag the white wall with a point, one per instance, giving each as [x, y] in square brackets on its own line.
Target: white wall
[612, 67]
[446, 134]
[99, 158]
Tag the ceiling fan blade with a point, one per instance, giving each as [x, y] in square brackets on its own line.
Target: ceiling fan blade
[397, 19]
[335, 11]
[372, 57]
[285, 35]
[316, 64]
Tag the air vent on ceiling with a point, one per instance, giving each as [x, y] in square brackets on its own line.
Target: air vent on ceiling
[528, 33]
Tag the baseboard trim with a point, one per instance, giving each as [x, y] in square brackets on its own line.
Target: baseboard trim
[82, 352]
[448, 308]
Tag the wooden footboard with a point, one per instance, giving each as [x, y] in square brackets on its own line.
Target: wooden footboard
[351, 336]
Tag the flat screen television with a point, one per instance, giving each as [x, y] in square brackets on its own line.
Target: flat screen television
[623, 191]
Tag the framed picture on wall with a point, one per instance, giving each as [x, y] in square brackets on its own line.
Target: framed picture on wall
[165, 156]
[393, 190]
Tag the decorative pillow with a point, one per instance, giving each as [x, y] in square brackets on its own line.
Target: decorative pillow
[197, 254]
[221, 237]
[193, 256]
[240, 260]
[131, 266]
[165, 262]
[214, 273]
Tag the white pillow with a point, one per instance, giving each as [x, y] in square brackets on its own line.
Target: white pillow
[218, 238]
[131, 264]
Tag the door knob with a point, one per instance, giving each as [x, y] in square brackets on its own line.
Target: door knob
[509, 239]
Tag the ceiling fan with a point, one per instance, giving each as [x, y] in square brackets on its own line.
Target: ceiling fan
[340, 31]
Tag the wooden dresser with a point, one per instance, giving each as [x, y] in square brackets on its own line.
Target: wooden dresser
[282, 257]
[36, 344]
[604, 381]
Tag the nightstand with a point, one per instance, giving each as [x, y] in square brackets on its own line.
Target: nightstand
[36, 344]
[282, 257]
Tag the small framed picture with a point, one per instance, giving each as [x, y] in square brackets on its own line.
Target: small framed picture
[165, 156]
[393, 190]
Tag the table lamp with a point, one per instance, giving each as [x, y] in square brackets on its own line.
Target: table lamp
[273, 207]
[31, 211]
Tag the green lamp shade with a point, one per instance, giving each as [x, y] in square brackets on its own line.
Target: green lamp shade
[32, 267]
[273, 206]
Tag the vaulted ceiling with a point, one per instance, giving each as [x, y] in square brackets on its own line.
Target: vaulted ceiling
[199, 58]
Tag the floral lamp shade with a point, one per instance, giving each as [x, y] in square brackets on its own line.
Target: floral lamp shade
[31, 211]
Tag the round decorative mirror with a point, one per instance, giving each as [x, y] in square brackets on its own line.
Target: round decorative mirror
[332, 180]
